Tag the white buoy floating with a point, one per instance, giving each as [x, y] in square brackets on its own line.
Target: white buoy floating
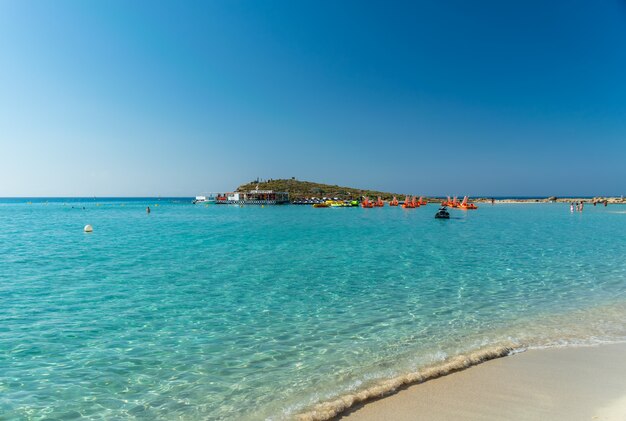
[88, 228]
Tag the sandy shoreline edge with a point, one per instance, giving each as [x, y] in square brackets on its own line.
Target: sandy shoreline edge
[569, 383]
[331, 409]
[599, 200]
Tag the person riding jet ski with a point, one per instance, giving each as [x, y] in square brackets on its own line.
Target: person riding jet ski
[442, 213]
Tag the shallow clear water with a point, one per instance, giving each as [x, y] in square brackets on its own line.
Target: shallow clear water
[221, 312]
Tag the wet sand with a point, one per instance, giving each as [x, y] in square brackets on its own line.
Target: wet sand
[583, 383]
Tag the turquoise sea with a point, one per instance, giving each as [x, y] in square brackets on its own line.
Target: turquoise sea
[221, 312]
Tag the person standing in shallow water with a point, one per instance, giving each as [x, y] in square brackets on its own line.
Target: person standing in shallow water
[571, 207]
[148, 210]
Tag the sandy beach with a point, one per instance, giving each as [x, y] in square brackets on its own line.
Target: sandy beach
[599, 200]
[578, 383]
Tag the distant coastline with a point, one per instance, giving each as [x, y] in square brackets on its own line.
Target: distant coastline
[567, 199]
[385, 196]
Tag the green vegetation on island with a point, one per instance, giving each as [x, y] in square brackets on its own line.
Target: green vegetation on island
[306, 189]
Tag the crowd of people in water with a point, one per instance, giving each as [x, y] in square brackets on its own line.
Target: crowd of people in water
[579, 206]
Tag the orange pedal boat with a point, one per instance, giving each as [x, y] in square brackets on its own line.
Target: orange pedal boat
[366, 203]
[408, 203]
[465, 205]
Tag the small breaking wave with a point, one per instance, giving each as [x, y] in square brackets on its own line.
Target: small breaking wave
[582, 327]
[327, 410]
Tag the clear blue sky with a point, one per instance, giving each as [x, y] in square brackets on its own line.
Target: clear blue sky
[132, 98]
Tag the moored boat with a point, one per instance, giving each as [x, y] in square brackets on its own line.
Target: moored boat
[366, 203]
[408, 203]
[465, 205]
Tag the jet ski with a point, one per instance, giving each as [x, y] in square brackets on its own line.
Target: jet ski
[442, 213]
